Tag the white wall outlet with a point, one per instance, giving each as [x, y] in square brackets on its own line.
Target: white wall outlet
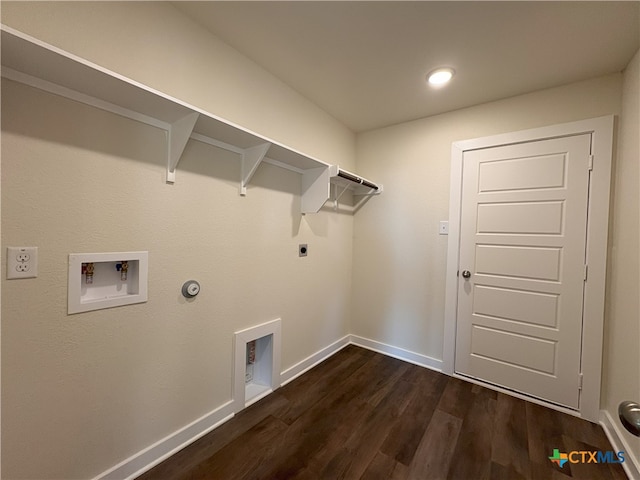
[444, 227]
[22, 262]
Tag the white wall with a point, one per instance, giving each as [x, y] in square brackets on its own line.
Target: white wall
[111, 382]
[159, 46]
[81, 393]
[621, 373]
[399, 258]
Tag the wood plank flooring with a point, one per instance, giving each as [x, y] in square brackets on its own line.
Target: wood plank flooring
[363, 415]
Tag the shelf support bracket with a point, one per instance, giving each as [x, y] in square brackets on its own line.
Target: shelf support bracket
[316, 189]
[335, 204]
[251, 158]
[179, 133]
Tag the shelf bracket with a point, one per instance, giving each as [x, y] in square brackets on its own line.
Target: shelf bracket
[316, 189]
[335, 202]
[251, 158]
[179, 133]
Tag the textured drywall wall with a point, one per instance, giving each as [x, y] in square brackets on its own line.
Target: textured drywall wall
[111, 383]
[157, 45]
[399, 257]
[621, 373]
[83, 392]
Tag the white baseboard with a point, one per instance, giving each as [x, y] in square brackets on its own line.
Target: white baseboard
[631, 463]
[396, 352]
[312, 360]
[163, 449]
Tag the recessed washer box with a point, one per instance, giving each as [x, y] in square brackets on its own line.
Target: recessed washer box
[105, 280]
[255, 380]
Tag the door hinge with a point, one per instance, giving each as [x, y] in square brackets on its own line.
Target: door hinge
[586, 272]
[590, 162]
[580, 378]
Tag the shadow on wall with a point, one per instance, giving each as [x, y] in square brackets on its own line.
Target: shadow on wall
[94, 130]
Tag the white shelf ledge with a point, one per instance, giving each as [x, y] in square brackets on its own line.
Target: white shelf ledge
[30, 61]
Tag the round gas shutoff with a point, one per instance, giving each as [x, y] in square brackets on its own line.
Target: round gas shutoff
[190, 289]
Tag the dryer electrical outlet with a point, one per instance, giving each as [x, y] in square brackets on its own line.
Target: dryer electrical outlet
[22, 262]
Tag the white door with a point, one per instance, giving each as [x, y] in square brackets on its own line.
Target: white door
[522, 246]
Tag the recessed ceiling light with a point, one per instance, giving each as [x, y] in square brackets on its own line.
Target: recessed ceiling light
[440, 76]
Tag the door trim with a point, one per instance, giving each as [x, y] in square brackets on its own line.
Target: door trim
[601, 130]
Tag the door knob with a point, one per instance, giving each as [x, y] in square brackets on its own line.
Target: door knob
[466, 274]
[629, 413]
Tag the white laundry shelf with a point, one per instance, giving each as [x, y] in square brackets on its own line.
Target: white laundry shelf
[30, 61]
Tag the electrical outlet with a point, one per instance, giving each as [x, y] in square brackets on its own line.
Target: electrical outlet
[22, 262]
[23, 257]
[444, 227]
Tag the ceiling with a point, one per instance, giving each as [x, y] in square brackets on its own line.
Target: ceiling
[365, 62]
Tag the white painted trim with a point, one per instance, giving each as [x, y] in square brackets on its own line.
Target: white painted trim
[397, 352]
[619, 443]
[597, 242]
[311, 361]
[601, 129]
[161, 450]
[74, 285]
[151, 456]
[453, 257]
[241, 338]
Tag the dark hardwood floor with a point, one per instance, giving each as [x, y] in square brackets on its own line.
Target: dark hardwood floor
[363, 415]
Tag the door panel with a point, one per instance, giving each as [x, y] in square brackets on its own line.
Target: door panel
[524, 217]
[516, 305]
[523, 229]
[518, 350]
[524, 262]
[529, 173]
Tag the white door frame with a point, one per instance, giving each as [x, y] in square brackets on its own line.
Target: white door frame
[601, 129]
